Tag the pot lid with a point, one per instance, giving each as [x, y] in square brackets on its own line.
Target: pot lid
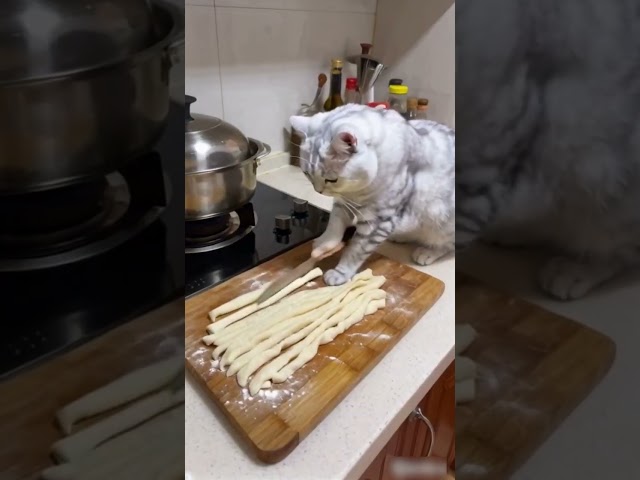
[210, 142]
[47, 37]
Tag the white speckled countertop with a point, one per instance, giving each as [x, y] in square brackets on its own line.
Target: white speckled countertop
[348, 440]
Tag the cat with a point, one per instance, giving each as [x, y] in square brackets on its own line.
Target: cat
[391, 178]
[548, 100]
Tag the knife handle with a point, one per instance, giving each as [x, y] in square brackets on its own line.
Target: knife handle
[348, 235]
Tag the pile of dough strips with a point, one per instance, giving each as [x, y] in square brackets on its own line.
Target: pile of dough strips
[137, 441]
[284, 332]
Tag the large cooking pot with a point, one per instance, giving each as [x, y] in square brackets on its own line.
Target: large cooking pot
[82, 99]
[220, 165]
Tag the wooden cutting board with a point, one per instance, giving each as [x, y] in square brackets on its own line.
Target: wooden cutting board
[31, 399]
[534, 366]
[275, 421]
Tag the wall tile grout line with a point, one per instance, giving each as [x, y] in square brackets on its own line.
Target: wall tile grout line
[215, 15]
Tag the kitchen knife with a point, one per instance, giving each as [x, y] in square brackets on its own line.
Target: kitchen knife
[302, 269]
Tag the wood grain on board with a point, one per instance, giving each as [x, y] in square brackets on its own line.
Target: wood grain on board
[31, 399]
[275, 421]
[534, 368]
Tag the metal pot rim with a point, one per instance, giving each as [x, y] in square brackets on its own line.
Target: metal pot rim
[174, 36]
[263, 150]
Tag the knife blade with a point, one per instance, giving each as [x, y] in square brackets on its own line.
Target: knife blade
[302, 269]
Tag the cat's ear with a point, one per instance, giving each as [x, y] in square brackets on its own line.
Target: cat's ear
[344, 144]
[300, 123]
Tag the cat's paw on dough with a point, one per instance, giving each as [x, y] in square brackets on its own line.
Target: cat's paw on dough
[568, 279]
[334, 277]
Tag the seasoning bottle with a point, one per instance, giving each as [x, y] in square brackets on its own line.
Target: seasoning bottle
[351, 94]
[423, 105]
[335, 99]
[398, 98]
[412, 108]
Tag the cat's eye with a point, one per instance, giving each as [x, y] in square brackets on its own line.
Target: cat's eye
[330, 181]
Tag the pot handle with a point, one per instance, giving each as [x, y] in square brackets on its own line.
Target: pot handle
[264, 149]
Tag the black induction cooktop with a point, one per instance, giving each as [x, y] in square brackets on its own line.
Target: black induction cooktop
[282, 222]
[50, 310]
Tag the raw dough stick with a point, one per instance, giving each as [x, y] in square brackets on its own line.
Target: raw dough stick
[240, 314]
[290, 308]
[465, 390]
[240, 326]
[218, 333]
[279, 313]
[76, 445]
[275, 340]
[310, 351]
[243, 325]
[129, 455]
[272, 347]
[305, 312]
[237, 303]
[465, 368]
[465, 335]
[123, 390]
[269, 370]
[369, 305]
[253, 324]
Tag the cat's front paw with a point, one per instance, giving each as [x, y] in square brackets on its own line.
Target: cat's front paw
[567, 279]
[333, 277]
[428, 255]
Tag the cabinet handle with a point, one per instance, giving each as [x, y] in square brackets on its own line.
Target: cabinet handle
[417, 413]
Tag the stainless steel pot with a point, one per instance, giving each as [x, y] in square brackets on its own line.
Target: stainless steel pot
[66, 126]
[219, 177]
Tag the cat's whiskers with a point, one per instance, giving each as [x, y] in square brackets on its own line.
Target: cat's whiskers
[349, 204]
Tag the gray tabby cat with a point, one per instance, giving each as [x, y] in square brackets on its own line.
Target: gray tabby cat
[548, 96]
[391, 178]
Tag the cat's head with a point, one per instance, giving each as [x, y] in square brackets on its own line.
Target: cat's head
[336, 155]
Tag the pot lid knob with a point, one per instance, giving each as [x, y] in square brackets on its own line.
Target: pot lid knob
[188, 100]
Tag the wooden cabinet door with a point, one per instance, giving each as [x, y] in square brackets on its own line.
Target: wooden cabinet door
[413, 438]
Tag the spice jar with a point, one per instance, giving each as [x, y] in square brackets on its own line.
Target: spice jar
[423, 105]
[398, 97]
[412, 108]
[351, 94]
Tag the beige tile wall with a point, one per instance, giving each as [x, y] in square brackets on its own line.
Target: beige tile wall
[417, 40]
[253, 62]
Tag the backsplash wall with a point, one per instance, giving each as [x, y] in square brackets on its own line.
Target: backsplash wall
[417, 40]
[253, 62]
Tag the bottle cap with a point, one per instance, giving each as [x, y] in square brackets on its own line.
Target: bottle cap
[395, 81]
[352, 83]
[336, 63]
[423, 101]
[398, 89]
[383, 105]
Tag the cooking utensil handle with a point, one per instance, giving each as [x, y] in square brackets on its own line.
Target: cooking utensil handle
[348, 235]
[264, 149]
[417, 413]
